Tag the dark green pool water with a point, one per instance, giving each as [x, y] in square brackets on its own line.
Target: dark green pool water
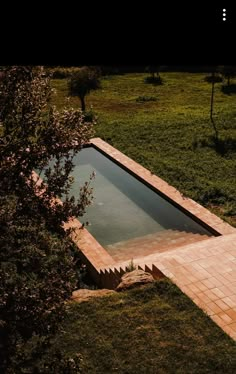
[124, 207]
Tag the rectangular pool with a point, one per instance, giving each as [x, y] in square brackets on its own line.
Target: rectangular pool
[124, 208]
[135, 215]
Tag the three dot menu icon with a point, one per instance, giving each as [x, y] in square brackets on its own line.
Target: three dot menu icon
[224, 14]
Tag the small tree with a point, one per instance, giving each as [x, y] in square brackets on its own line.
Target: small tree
[82, 82]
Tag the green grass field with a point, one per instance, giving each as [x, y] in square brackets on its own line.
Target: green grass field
[152, 330]
[171, 134]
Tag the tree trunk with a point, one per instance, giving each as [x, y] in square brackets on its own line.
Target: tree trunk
[228, 80]
[212, 102]
[82, 99]
[212, 94]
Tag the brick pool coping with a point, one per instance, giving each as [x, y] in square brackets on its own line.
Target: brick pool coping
[202, 214]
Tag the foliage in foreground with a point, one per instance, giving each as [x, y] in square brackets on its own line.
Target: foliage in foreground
[36, 273]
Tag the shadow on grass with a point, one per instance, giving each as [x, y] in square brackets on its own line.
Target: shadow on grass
[142, 99]
[230, 89]
[224, 147]
[215, 79]
[156, 81]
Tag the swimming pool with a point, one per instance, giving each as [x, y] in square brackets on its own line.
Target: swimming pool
[136, 215]
[124, 208]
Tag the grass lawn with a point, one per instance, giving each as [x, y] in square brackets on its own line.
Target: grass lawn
[154, 329]
[171, 135]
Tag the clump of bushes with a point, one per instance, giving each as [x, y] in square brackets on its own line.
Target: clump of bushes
[89, 116]
[60, 72]
[213, 195]
[153, 80]
[230, 210]
[154, 77]
[141, 99]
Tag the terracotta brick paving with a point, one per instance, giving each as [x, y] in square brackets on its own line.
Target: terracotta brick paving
[209, 279]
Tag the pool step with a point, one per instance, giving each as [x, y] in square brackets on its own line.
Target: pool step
[158, 242]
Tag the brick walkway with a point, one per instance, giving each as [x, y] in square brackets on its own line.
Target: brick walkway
[206, 272]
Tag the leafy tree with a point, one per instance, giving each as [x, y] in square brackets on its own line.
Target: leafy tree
[33, 133]
[36, 267]
[36, 276]
[82, 82]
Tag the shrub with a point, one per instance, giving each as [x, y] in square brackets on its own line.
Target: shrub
[141, 99]
[90, 116]
[213, 195]
[60, 72]
[153, 80]
[131, 266]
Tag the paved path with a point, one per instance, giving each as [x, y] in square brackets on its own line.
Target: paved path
[206, 272]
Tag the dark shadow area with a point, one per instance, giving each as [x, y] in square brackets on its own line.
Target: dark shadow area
[84, 280]
[213, 78]
[216, 137]
[224, 147]
[142, 99]
[212, 195]
[156, 81]
[229, 89]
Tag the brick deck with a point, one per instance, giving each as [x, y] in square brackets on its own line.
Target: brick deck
[203, 267]
[206, 272]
